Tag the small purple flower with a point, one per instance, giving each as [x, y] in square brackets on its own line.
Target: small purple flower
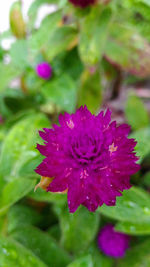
[44, 70]
[112, 243]
[82, 3]
[89, 156]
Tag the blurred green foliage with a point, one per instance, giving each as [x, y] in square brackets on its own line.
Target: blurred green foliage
[100, 57]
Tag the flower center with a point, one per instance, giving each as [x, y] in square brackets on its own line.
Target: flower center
[85, 148]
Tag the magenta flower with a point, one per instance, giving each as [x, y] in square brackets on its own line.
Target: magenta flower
[112, 243]
[44, 70]
[82, 3]
[90, 157]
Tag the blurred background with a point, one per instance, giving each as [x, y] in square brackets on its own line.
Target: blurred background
[97, 56]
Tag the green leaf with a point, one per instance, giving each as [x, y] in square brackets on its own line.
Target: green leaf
[133, 228]
[76, 229]
[136, 113]
[43, 196]
[40, 37]
[133, 206]
[19, 145]
[13, 191]
[99, 260]
[33, 10]
[146, 180]
[85, 261]
[143, 145]
[54, 231]
[93, 34]
[61, 40]
[144, 1]
[15, 255]
[134, 50]
[19, 54]
[62, 92]
[19, 215]
[90, 92]
[138, 256]
[7, 73]
[42, 245]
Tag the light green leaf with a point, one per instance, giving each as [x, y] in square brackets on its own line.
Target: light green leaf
[61, 40]
[134, 50]
[85, 261]
[62, 92]
[76, 229]
[33, 10]
[133, 206]
[7, 73]
[43, 196]
[93, 34]
[40, 37]
[42, 245]
[142, 137]
[19, 145]
[133, 228]
[90, 93]
[19, 54]
[12, 254]
[136, 113]
[13, 191]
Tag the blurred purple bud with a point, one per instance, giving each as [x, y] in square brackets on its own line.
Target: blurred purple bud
[113, 243]
[44, 70]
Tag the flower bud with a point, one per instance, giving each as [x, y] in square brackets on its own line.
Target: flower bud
[44, 70]
[17, 23]
[113, 243]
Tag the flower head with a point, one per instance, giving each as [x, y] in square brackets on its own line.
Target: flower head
[82, 3]
[44, 70]
[112, 243]
[89, 156]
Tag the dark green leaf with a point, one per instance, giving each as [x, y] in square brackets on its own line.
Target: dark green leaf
[146, 180]
[137, 256]
[99, 260]
[20, 215]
